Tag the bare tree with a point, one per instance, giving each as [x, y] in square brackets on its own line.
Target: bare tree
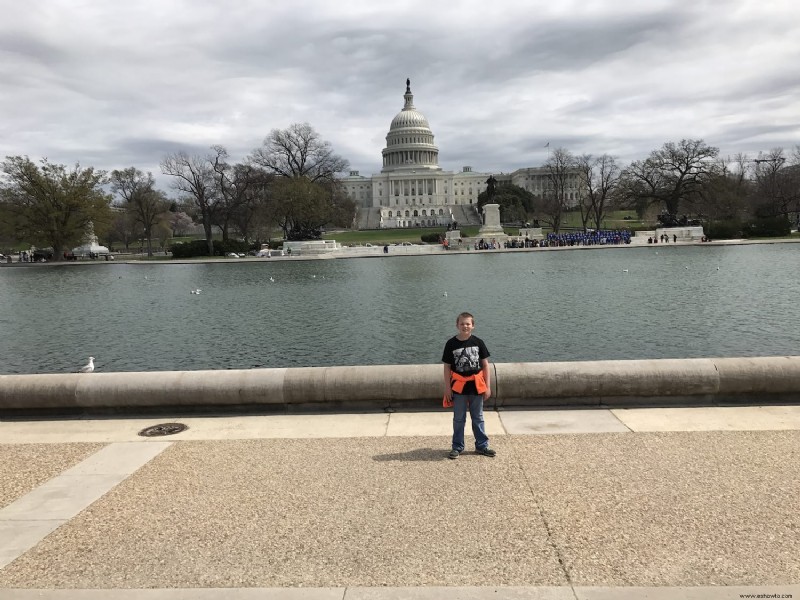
[560, 167]
[141, 199]
[195, 176]
[305, 196]
[600, 177]
[257, 215]
[776, 184]
[671, 175]
[298, 151]
[240, 187]
[723, 195]
[795, 170]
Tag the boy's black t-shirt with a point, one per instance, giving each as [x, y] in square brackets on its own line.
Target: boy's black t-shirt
[464, 357]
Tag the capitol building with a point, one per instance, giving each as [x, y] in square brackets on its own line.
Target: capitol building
[412, 190]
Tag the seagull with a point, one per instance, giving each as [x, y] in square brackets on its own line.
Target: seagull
[313, 277]
[685, 267]
[445, 294]
[88, 368]
[197, 291]
[272, 279]
[624, 270]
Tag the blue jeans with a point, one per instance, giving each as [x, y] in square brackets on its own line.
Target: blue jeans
[475, 404]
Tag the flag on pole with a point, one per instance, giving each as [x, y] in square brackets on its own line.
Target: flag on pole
[547, 145]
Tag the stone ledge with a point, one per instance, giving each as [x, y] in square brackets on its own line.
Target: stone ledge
[662, 382]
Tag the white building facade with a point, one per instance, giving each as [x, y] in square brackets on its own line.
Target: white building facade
[412, 190]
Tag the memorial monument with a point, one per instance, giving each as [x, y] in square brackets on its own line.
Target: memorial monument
[491, 228]
[90, 246]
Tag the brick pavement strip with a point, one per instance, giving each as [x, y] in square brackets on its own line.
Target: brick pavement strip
[656, 509]
[23, 467]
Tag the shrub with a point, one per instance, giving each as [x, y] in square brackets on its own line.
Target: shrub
[222, 247]
[200, 248]
[189, 249]
[767, 227]
[431, 238]
[724, 230]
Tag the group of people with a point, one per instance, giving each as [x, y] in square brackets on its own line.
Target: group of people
[519, 243]
[589, 238]
[599, 237]
[479, 245]
[663, 238]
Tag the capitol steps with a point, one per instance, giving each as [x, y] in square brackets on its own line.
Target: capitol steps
[369, 217]
[465, 215]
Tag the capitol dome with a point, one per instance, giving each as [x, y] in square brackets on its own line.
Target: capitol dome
[409, 143]
[409, 118]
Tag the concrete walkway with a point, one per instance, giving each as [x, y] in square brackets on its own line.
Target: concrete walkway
[594, 504]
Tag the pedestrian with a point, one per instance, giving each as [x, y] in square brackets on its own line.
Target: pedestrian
[467, 384]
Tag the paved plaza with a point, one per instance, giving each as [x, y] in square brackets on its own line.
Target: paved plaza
[580, 504]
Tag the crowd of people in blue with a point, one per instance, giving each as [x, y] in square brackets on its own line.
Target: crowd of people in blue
[599, 237]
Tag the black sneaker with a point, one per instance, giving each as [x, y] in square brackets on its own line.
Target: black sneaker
[453, 454]
[486, 451]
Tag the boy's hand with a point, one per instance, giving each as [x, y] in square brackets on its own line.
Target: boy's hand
[448, 394]
[487, 394]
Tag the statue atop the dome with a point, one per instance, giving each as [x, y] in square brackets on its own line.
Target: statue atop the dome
[408, 85]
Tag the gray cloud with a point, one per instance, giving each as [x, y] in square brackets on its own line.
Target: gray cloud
[119, 85]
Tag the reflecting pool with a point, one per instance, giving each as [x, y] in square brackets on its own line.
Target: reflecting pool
[585, 304]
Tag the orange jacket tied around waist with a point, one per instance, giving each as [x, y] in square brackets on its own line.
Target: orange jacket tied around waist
[457, 383]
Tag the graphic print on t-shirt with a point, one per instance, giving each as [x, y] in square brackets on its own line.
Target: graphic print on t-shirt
[466, 359]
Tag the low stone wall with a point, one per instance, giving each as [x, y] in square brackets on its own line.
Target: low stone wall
[702, 381]
[311, 247]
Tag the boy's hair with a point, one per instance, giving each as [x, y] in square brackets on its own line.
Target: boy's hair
[465, 315]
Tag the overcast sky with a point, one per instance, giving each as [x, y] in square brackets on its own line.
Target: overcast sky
[112, 84]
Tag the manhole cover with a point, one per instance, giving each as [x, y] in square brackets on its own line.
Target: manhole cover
[163, 429]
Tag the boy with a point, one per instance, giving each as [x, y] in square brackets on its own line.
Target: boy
[467, 384]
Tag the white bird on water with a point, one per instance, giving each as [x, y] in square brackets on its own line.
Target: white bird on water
[88, 368]
[624, 270]
[272, 279]
[445, 294]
